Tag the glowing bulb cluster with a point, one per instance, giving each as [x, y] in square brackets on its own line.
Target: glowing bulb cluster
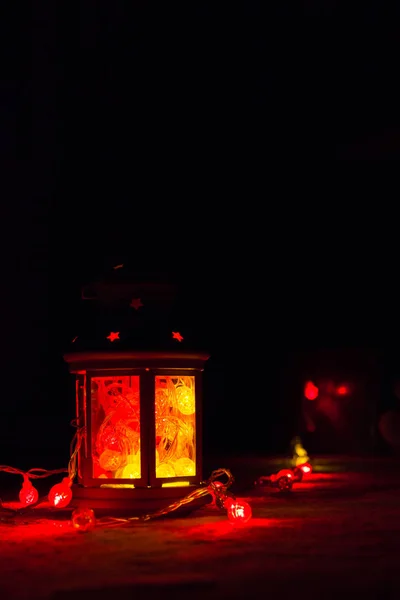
[183, 467]
[111, 460]
[132, 469]
[116, 407]
[175, 410]
[185, 400]
[165, 470]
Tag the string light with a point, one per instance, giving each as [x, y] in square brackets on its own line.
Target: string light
[299, 472]
[28, 494]
[285, 478]
[213, 494]
[60, 494]
[283, 482]
[238, 511]
[83, 519]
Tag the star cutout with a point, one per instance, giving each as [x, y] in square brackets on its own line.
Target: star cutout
[136, 303]
[114, 335]
[177, 336]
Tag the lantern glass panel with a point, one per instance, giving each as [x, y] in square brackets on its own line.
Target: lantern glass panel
[115, 419]
[175, 415]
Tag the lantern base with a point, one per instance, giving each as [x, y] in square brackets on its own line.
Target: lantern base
[135, 501]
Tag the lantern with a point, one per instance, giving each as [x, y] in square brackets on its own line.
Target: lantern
[138, 398]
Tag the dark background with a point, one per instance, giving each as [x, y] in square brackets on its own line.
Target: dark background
[134, 129]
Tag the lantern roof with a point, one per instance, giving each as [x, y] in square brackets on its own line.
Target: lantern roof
[123, 313]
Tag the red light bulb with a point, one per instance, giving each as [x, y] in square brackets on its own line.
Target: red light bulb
[301, 470]
[83, 519]
[28, 494]
[284, 473]
[284, 480]
[60, 494]
[239, 512]
[306, 468]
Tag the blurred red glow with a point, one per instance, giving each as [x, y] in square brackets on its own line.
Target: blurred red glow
[223, 528]
[342, 390]
[311, 391]
[37, 530]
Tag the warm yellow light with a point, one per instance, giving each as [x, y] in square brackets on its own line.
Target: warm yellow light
[130, 472]
[185, 400]
[184, 467]
[132, 468]
[165, 470]
[133, 459]
[110, 460]
[117, 485]
[176, 484]
[299, 450]
[301, 460]
[175, 426]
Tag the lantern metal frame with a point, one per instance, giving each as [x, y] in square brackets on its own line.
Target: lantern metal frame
[148, 491]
